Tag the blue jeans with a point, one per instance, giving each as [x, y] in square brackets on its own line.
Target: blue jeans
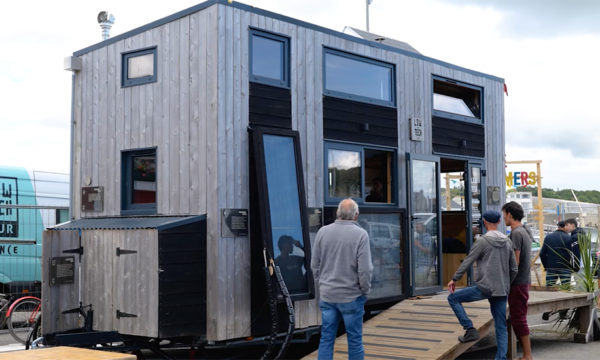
[553, 274]
[352, 314]
[497, 307]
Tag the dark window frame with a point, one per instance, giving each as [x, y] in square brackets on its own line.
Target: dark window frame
[330, 200]
[453, 116]
[354, 97]
[263, 198]
[284, 82]
[125, 56]
[127, 205]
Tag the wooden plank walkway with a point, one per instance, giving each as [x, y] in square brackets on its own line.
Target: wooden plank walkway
[426, 328]
[65, 352]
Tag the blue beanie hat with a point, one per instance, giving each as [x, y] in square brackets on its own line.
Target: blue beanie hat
[491, 216]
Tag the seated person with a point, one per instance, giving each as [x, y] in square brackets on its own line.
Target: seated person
[376, 194]
[291, 266]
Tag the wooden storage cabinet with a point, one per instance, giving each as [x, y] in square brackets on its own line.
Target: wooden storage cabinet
[147, 281]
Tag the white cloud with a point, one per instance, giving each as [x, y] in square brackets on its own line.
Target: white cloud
[551, 73]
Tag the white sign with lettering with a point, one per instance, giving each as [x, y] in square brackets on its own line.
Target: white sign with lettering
[416, 129]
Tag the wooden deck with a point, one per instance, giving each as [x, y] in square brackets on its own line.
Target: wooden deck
[427, 328]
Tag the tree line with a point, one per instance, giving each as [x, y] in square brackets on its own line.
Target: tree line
[589, 196]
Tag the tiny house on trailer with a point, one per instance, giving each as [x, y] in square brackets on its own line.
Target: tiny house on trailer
[223, 135]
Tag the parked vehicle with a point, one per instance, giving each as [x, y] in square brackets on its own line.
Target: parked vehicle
[30, 201]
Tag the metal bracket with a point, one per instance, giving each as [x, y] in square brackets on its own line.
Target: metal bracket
[79, 251]
[125, 252]
[124, 315]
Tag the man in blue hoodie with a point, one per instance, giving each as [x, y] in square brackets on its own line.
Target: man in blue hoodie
[496, 269]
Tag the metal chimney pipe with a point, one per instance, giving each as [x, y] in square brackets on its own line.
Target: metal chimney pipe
[106, 21]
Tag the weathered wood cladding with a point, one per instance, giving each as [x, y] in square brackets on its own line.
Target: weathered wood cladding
[359, 122]
[197, 114]
[270, 106]
[458, 137]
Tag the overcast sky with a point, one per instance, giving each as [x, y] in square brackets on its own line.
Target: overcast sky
[547, 51]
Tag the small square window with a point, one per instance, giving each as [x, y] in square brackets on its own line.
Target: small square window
[138, 177]
[452, 99]
[138, 67]
[269, 58]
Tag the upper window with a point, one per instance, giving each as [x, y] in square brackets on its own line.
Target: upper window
[456, 100]
[138, 191]
[363, 173]
[269, 58]
[138, 67]
[358, 78]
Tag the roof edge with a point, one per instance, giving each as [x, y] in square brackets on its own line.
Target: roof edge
[280, 17]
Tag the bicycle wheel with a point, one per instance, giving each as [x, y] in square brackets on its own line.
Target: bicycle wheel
[35, 333]
[22, 318]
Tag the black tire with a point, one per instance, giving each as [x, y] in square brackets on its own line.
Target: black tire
[35, 332]
[22, 318]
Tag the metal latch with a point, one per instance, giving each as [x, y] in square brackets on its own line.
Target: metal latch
[79, 251]
[121, 314]
[125, 252]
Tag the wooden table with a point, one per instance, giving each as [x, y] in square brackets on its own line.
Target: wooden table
[64, 353]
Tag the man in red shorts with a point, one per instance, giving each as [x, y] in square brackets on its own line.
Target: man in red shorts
[521, 238]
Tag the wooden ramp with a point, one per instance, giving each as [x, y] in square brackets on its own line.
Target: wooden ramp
[427, 328]
[417, 329]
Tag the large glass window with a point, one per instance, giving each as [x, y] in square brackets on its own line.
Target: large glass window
[385, 236]
[456, 100]
[139, 181]
[269, 58]
[138, 67]
[363, 173]
[358, 78]
[284, 204]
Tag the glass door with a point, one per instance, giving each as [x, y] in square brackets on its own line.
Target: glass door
[424, 225]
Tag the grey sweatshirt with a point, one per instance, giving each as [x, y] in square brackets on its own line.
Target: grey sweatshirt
[496, 264]
[341, 262]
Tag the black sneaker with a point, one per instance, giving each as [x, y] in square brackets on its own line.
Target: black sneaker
[470, 335]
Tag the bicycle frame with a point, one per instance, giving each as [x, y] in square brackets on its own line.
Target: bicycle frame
[33, 314]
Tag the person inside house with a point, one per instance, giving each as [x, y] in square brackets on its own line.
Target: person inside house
[376, 194]
[291, 266]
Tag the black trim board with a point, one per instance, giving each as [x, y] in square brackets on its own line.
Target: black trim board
[270, 106]
[345, 120]
[448, 136]
[280, 17]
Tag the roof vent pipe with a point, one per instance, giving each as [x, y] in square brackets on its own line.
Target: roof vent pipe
[106, 21]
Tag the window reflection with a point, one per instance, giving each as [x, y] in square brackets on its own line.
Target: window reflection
[386, 244]
[267, 57]
[453, 98]
[284, 206]
[343, 173]
[476, 201]
[350, 75]
[425, 223]
[378, 176]
[144, 179]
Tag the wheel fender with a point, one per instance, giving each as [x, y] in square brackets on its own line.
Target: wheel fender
[10, 309]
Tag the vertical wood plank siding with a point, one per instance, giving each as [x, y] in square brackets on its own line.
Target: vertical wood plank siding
[197, 114]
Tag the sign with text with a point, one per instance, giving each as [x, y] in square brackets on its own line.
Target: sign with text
[521, 178]
[9, 217]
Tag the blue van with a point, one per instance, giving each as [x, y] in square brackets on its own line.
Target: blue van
[30, 201]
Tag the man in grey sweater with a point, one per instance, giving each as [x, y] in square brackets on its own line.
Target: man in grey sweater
[342, 269]
[496, 269]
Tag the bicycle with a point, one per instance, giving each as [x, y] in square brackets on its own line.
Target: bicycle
[22, 315]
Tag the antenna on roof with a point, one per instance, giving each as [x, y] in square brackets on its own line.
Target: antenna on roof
[368, 3]
[106, 21]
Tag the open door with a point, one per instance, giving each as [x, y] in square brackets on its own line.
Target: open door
[424, 223]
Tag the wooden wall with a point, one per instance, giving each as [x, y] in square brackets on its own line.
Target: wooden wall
[197, 116]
